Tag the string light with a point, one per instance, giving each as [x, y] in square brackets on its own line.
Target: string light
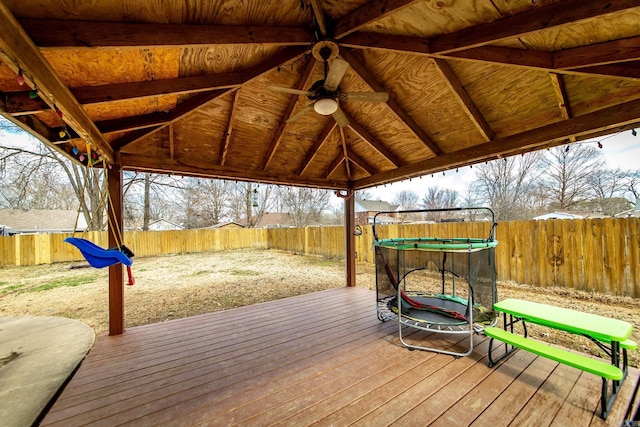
[633, 132]
[20, 77]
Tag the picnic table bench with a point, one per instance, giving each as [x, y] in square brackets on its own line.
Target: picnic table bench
[611, 335]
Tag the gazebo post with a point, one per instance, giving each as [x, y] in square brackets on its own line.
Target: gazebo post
[116, 280]
[350, 240]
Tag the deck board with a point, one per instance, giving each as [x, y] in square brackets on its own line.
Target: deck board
[320, 359]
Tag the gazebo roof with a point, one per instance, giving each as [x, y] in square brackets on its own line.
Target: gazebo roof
[181, 87]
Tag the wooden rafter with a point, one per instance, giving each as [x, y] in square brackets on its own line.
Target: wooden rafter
[22, 53]
[177, 113]
[313, 152]
[561, 95]
[68, 33]
[464, 99]
[335, 164]
[210, 170]
[199, 100]
[228, 134]
[303, 82]
[556, 14]
[373, 142]
[360, 162]
[557, 82]
[345, 152]
[392, 103]
[598, 54]
[608, 119]
[318, 14]
[367, 13]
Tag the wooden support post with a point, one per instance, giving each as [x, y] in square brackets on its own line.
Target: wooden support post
[116, 281]
[350, 240]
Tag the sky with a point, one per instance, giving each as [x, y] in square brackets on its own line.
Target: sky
[621, 150]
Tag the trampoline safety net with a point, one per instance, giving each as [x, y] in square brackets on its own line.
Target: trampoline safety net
[439, 284]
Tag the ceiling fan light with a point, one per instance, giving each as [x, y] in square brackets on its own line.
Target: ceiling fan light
[325, 106]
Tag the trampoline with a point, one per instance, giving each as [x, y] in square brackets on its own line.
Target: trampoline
[438, 284]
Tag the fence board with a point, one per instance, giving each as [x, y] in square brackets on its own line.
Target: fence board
[600, 255]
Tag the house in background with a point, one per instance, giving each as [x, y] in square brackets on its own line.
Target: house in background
[558, 215]
[279, 220]
[228, 224]
[41, 221]
[635, 212]
[365, 210]
[163, 224]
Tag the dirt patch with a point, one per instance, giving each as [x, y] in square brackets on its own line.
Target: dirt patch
[170, 287]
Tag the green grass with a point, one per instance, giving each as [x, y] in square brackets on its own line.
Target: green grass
[6, 288]
[68, 282]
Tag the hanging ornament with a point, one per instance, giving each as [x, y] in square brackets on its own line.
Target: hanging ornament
[59, 113]
[33, 94]
[600, 145]
[20, 77]
[75, 151]
[62, 134]
[81, 157]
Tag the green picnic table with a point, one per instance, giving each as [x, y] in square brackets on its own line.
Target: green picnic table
[611, 335]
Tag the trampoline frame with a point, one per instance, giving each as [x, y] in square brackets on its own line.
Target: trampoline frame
[458, 245]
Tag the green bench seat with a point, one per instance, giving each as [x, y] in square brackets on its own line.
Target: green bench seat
[587, 364]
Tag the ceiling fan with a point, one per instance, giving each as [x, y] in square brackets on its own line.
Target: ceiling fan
[325, 94]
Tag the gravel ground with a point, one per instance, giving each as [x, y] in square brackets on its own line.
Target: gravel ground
[170, 287]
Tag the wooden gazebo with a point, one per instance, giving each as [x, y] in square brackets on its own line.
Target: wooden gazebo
[341, 95]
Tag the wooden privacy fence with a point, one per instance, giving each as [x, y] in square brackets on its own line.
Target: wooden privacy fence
[600, 255]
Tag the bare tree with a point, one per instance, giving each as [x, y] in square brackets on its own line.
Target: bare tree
[609, 187]
[248, 202]
[407, 199]
[506, 184]
[568, 174]
[304, 205]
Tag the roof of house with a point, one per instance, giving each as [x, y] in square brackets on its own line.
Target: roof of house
[278, 219]
[418, 87]
[41, 221]
[559, 215]
[363, 205]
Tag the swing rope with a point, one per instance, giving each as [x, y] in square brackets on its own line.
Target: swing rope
[104, 201]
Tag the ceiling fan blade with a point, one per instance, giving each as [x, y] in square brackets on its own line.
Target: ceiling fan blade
[336, 73]
[364, 96]
[297, 116]
[340, 118]
[289, 90]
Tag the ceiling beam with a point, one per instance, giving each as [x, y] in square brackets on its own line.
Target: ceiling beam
[400, 113]
[175, 114]
[465, 101]
[224, 149]
[206, 169]
[313, 152]
[199, 100]
[345, 153]
[557, 81]
[318, 15]
[533, 20]
[359, 161]
[335, 163]
[581, 127]
[373, 142]
[47, 33]
[23, 54]
[369, 12]
[613, 51]
[303, 82]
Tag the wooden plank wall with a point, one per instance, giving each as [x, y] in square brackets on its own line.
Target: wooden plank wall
[600, 255]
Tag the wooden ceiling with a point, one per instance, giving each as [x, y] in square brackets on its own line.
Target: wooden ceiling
[172, 86]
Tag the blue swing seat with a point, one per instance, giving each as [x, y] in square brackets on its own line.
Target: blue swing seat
[96, 256]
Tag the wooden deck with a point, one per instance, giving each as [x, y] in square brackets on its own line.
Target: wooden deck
[321, 358]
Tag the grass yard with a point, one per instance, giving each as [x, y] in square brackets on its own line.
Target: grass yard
[170, 287]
